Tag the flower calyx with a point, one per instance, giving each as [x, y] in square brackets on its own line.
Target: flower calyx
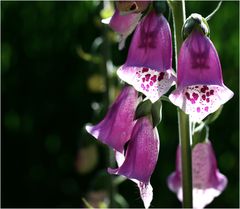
[147, 108]
[195, 21]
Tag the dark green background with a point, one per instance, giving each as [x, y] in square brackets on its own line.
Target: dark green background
[46, 102]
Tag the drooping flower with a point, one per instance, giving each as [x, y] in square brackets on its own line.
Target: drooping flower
[149, 63]
[124, 25]
[140, 158]
[116, 128]
[200, 88]
[208, 182]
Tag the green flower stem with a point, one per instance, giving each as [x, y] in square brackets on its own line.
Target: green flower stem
[178, 11]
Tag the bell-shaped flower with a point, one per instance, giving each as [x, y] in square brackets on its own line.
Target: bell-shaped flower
[208, 182]
[116, 128]
[141, 157]
[124, 25]
[149, 63]
[200, 88]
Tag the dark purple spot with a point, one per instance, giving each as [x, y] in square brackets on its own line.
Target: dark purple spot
[208, 94]
[143, 79]
[144, 70]
[207, 100]
[205, 87]
[203, 90]
[160, 77]
[203, 97]
[211, 92]
[147, 77]
[151, 83]
[206, 109]
[187, 95]
[154, 78]
[195, 96]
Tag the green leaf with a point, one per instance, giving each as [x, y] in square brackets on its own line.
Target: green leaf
[156, 112]
[143, 109]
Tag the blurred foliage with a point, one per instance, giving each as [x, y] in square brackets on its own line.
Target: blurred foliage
[49, 91]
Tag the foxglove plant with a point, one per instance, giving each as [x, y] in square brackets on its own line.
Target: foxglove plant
[129, 127]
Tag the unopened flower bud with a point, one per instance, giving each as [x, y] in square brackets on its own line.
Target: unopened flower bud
[195, 21]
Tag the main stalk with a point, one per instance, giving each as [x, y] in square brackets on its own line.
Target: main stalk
[185, 136]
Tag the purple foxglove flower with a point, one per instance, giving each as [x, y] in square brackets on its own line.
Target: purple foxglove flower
[141, 158]
[200, 88]
[124, 25]
[116, 128]
[149, 63]
[208, 182]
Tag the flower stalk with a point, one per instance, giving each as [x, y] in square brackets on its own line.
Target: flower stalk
[179, 16]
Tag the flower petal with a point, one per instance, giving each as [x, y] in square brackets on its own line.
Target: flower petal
[116, 128]
[124, 25]
[142, 152]
[146, 193]
[200, 100]
[150, 82]
[198, 62]
[145, 189]
[151, 45]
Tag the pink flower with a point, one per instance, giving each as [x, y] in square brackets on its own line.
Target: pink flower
[200, 88]
[124, 25]
[116, 128]
[141, 157]
[208, 182]
[148, 67]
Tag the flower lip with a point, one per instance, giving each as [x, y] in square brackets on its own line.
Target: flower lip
[150, 82]
[200, 100]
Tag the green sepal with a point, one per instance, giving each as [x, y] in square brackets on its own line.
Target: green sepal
[160, 6]
[143, 109]
[195, 21]
[156, 113]
[199, 137]
[212, 117]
